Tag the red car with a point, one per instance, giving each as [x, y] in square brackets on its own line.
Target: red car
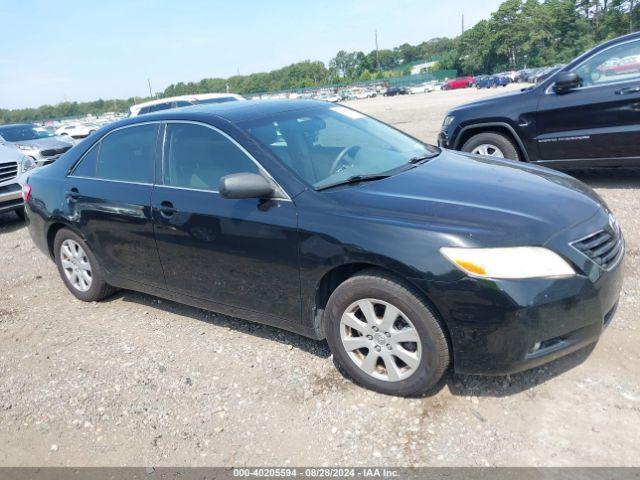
[462, 82]
[621, 67]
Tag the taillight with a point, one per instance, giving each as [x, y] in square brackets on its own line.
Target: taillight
[26, 193]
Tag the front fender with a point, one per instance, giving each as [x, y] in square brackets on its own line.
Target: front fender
[514, 130]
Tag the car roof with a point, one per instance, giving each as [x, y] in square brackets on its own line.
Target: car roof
[191, 97]
[16, 125]
[233, 112]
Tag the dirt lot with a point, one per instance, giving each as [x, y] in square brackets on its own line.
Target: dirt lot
[140, 381]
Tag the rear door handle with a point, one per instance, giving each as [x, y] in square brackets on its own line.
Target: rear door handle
[627, 91]
[72, 194]
[167, 209]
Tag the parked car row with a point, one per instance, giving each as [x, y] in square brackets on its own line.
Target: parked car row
[536, 75]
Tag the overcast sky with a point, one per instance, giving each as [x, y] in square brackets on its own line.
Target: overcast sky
[84, 50]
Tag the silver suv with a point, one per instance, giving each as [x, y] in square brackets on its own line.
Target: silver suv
[13, 169]
[43, 146]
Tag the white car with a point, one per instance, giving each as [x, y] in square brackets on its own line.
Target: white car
[422, 88]
[77, 130]
[182, 101]
[13, 169]
[362, 94]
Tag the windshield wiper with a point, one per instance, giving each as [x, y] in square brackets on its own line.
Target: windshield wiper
[356, 179]
[422, 158]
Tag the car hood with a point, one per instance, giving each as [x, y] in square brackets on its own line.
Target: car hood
[44, 143]
[487, 201]
[491, 101]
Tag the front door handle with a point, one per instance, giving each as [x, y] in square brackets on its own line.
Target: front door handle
[627, 91]
[167, 209]
[72, 194]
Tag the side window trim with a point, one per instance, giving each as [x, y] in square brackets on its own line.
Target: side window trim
[281, 193]
[98, 144]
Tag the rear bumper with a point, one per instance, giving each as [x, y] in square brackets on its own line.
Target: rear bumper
[10, 197]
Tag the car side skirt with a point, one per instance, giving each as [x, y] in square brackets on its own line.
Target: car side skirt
[591, 162]
[291, 325]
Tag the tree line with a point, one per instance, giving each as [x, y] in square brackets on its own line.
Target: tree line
[520, 34]
[532, 33]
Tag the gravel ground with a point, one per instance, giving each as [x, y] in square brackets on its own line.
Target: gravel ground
[140, 381]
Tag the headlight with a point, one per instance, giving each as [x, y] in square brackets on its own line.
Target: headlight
[448, 120]
[24, 147]
[510, 262]
[27, 163]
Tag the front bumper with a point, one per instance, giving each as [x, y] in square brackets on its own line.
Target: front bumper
[10, 197]
[443, 140]
[505, 326]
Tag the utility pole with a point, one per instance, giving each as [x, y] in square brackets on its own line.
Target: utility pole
[463, 23]
[631, 16]
[377, 52]
[149, 83]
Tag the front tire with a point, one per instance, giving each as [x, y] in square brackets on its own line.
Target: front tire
[79, 268]
[384, 336]
[491, 144]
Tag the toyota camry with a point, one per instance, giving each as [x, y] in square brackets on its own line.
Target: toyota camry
[312, 217]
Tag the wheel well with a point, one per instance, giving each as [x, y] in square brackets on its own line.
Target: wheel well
[332, 279]
[328, 284]
[467, 134]
[51, 235]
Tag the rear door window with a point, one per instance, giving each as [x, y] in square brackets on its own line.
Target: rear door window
[125, 155]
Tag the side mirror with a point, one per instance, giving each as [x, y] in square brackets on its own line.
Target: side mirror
[245, 185]
[566, 81]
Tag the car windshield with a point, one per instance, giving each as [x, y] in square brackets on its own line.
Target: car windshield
[329, 145]
[17, 133]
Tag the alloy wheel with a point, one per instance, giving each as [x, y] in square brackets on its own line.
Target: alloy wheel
[488, 150]
[76, 265]
[380, 339]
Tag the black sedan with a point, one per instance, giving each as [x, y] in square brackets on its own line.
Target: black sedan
[320, 220]
[393, 91]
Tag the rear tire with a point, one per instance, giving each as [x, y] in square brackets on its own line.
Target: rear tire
[484, 142]
[395, 325]
[79, 268]
[20, 213]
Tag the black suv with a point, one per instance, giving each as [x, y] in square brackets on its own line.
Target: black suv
[586, 114]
